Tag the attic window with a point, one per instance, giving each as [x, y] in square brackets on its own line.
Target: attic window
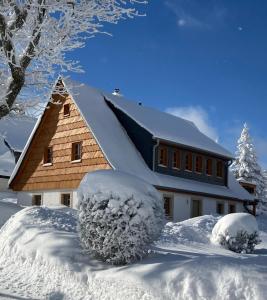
[66, 109]
[188, 161]
[163, 156]
[219, 171]
[48, 155]
[199, 164]
[76, 151]
[209, 167]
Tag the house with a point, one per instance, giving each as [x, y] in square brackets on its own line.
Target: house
[14, 133]
[84, 129]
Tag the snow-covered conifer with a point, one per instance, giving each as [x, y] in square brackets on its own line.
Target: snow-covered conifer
[120, 215]
[246, 167]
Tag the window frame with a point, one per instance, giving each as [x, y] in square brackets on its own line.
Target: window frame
[62, 199]
[190, 162]
[33, 199]
[66, 114]
[219, 162]
[207, 167]
[73, 157]
[168, 216]
[163, 163]
[176, 164]
[223, 208]
[200, 212]
[46, 161]
[231, 205]
[201, 164]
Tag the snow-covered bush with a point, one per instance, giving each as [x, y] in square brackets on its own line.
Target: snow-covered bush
[120, 215]
[237, 232]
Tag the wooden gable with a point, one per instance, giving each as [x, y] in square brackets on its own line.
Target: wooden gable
[59, 131]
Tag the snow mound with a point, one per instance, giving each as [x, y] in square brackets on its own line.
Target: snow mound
[195, 230]
[237, 232]
[7, 209]
[120, 215]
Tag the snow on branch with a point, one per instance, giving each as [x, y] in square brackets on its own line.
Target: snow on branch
[35, 36]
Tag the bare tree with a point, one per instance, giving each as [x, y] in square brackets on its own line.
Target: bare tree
[35, 36]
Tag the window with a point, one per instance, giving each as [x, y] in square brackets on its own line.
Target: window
[76, 151]
[196, 208]
[188, 161]
[220, 208]
[66, 109]
[168, 206]
[199, 163]
[65, 199]
[209, 167]
[48, 155]
[219, 168]
[163, 156]
[231, 208]
[37, 200]
[176, 159]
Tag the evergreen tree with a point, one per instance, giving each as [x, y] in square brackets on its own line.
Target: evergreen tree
[246, 167]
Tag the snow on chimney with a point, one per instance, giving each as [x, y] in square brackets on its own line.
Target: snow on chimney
[117, 92]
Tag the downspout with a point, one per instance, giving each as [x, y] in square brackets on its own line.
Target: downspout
[154, 154]
[228, 166]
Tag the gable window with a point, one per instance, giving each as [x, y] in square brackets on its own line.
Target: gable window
[220, 208]
[199, 163]
[168, 204]
[209, 167]
[65, 199]
[219, 169]
[176, 159]
[48, 155]
[66, 109]
[37, 200]
[163, 156]
[231, 208]
[188, 161]
[76, 151]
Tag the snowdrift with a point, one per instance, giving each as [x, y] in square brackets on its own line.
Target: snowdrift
[41, 258]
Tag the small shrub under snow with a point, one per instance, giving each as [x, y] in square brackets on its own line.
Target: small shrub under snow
[237, 232]
[120, 215]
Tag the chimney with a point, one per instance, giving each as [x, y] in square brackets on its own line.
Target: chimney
[116, 92]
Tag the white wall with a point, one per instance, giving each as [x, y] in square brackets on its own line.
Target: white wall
[182, 205]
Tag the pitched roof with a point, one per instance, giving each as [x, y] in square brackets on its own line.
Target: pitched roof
[120, 151]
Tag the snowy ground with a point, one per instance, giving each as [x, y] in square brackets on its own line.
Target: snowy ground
[41, 259]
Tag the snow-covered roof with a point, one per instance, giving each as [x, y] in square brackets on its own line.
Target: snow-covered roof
[168, 127]
[120, 151]
[16, 131]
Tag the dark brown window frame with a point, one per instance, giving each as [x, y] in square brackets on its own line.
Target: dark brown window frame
[34, 200]
[209, 168]
[219, 168]
[199, 169]
[176, 162]
[66, 110]
[48, 156]
[74, 156]
[189, 161]
[230, 206]
[62, 200]
[163, 156]
[220, 204]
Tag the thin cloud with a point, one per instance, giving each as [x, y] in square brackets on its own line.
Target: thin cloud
[197, 115]
[193, 14]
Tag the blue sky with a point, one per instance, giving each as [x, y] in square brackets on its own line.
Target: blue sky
[204, 60]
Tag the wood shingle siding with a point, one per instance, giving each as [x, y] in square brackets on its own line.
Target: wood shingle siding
[59, 131]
